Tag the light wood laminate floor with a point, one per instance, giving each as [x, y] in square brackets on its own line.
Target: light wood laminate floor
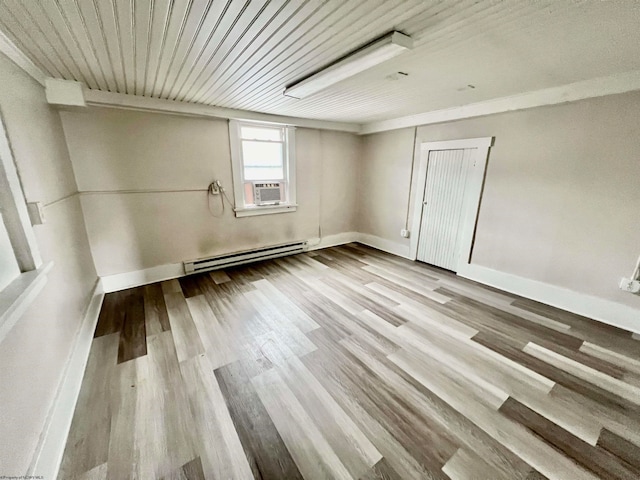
[351, 363]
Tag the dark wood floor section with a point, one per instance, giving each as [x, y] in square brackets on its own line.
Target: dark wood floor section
[351, 363]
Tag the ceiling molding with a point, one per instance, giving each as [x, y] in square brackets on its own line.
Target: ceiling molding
[20, 59]
[596, 87]
[97, 98]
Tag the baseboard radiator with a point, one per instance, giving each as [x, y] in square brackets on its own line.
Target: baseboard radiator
[240, 258]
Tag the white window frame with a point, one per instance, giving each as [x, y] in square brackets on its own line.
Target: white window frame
[237, 168]
[18, 295]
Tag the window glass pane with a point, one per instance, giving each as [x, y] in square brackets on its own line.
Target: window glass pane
[263, 173]
[262, 161]
[248, 193]
[258, 133]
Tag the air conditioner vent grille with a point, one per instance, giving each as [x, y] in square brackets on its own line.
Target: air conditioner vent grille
[265, 193]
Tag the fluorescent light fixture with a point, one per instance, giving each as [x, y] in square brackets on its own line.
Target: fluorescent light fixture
[377, 52]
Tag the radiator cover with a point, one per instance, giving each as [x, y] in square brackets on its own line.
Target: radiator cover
[240, 258]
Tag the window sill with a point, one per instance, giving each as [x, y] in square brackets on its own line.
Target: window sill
[17, 296]
[265, 210]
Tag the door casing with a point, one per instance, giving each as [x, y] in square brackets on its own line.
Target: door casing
[473, 187]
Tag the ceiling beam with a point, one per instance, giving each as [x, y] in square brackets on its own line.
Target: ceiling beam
[99, 98]
[20, 59]
[596, 87]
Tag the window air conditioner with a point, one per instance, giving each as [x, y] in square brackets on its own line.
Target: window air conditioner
[267, 193]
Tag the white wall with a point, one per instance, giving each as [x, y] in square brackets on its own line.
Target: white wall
[114, 151]
[559, 202]
[35, 351]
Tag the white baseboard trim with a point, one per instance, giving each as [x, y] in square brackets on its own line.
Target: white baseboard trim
[332, 240]
[48, 454]
[605, 311]
[384, 244]
[120, 281]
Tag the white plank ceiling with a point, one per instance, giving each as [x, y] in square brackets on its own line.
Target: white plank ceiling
[242, 53]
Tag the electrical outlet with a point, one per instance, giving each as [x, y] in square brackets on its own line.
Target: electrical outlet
[632, 286]
[404, 233]
[215, 187]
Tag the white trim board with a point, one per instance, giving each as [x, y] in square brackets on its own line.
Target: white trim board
[595, 87]
[16, 298]
[592, 88]
[15, 212]
[18, 57]
[99, 98]
[332, 240]
[48, 454]
[605, 311]
[480, 142]
[385, 245]
[474, 185]
[120, 281]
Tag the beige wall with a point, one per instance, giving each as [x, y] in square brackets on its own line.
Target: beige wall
[555, 207]
[559, 200]
[114, 151]
[34, 353]
[383, 190]
[339, 156]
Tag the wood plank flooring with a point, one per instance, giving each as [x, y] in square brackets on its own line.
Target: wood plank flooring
[351, 363]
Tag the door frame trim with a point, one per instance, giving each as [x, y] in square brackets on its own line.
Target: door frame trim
[473, 186]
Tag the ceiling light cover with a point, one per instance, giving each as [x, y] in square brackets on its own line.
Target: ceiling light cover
[381, 50]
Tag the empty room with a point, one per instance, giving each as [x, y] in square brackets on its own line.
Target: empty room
[319, 239]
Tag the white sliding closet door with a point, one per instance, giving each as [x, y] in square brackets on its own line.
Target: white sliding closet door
[443, 207]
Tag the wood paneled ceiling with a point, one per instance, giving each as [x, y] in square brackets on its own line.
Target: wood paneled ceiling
[242, 53]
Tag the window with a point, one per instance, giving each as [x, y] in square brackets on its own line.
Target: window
[263, 163]
[22, 274]
[9, 269]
